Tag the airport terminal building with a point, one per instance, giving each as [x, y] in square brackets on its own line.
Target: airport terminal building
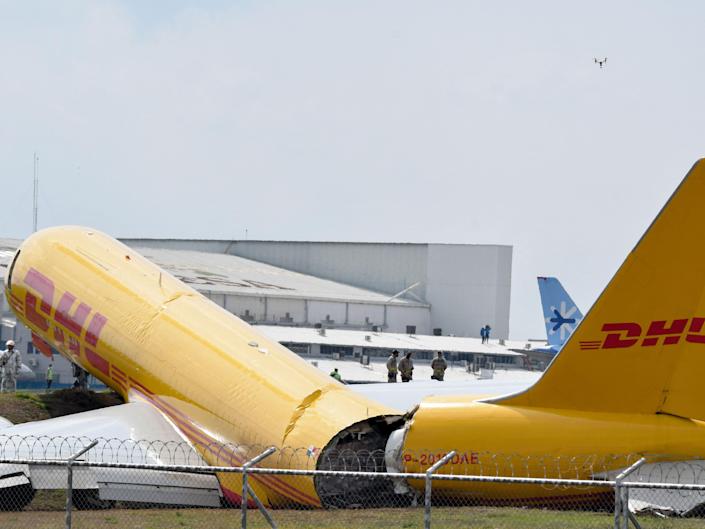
[448, 290]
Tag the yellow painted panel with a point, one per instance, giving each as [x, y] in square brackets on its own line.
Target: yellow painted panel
[641, 347]
[500, 440]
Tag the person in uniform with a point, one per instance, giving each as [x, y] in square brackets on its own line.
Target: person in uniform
[406, 368]
[3, 360]
[11, 363]
[392, 366]
[50, 376]
[81, 378]
[439, 366]
[336, 375]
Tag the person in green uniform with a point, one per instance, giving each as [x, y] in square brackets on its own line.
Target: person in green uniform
[50, 376]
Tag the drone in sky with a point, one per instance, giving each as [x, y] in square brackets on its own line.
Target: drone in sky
[601, 62]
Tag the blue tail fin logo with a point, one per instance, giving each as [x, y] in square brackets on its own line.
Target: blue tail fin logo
[561, 315]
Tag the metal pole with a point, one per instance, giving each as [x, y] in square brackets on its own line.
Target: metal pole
[625, 507]
[262, 508]
[621, 499]
[429, 473]
[245, 487]
[69, 483]
[634, 520]
[69, 493]
[243, 500]
[617, 504]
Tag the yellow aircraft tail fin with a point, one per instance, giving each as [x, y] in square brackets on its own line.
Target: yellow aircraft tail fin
[641, 348]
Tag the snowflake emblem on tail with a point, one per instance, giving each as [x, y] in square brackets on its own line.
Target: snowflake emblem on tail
[562, 320]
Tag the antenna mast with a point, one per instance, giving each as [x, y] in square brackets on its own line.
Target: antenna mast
[36, 193]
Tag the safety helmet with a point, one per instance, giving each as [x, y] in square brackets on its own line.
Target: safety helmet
[10, 343]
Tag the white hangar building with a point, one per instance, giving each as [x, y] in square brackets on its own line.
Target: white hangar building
[456, 288]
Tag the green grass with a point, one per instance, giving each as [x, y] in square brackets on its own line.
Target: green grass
[442, 517]
[34, 398]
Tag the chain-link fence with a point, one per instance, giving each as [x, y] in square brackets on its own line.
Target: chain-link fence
[77, 482]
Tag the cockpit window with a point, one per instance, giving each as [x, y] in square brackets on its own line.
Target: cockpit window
[12, 268]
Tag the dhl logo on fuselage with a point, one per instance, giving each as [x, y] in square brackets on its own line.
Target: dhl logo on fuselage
[72, 326]
[628, 334]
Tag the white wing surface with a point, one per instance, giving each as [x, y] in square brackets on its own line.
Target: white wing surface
[133, 433]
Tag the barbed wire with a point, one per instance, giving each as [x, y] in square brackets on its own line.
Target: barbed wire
[661, 468]
[123, 474]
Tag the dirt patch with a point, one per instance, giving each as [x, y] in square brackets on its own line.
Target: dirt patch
[24, 407]
[68, 401]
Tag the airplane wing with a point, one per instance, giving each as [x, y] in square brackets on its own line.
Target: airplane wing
[406, 396]
[660, 501]
[135, 433]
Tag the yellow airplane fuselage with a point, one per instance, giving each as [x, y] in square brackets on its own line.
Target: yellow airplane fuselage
[150, 337]
[496, 440]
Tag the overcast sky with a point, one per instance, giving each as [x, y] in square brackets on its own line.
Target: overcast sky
[438, 121]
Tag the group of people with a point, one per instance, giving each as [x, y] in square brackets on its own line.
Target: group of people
[10, 366]
[485, 333]
[405, 367]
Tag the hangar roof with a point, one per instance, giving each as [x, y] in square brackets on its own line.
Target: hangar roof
[384, 340]
[228, 274]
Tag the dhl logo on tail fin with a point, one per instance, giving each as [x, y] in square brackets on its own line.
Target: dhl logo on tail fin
[628, 334]
[641, 348]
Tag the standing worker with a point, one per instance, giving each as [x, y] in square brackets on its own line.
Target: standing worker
[81, 376]
[439, 366]
[336, 375]
[487, 333]
[482, 334]
[3, 360]
[3, 357]
[50, 376]
[406, 368]
[11, 363]
[392, 366]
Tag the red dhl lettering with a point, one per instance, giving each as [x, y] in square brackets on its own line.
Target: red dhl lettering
[664, 332]
[67, 324]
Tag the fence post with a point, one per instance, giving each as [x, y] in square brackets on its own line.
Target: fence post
[246, 489]
[621, 496]
[69, 481]
[427, 500]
